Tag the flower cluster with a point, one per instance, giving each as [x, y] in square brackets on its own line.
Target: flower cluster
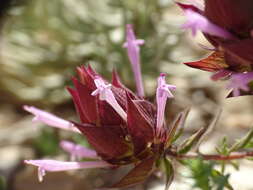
[228, 26]
[122, 127]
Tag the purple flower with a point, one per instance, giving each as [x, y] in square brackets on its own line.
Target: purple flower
[228, 26]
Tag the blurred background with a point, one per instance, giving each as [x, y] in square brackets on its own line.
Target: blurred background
[41, 44]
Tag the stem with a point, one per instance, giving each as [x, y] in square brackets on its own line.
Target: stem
[232, 156]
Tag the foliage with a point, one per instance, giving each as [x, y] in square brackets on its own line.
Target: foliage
[44, 41]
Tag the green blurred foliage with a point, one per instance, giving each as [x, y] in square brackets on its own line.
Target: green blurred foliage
[47, 144]
[43, 41]
[205, 175]
[2, 183]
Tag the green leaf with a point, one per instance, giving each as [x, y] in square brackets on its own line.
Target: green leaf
[200, 172]
[220, 180]
[209, 128]
[179, 122]
[244, 141]
[199, 136]
[138, 174]
[169, 172]
[191, 141]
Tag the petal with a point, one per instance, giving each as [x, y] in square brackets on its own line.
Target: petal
[139, 126]
[108, 141]
[196, 21]
[214, 62]
[133, 51]
[56, 166]
[77, 150]
[50, 119]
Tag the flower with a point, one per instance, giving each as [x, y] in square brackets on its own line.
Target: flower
[133, 50]
[122, 127]
[228, 26]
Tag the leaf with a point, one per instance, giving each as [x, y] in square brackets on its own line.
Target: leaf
[138, 174]
[199, 136]
[179, 122]
[209, 128]
[220, 180]
[191, 141]
[242, 142]
[214, 62]
[200, 172]
[169, 172]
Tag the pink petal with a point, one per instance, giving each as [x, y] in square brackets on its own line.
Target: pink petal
[240, 81]
[196, 21]
[50, 119]
[77, 150]
[133, 50]
[162, 93]
[55, 166]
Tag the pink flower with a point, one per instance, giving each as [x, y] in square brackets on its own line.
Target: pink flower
[133, 51]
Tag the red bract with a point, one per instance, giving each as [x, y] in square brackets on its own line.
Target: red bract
[228, 26]
[123, 128]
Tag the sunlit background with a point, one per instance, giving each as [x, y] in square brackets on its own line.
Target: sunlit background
[42, 42]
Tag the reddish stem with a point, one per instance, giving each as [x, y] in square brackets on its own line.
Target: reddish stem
[232, 156]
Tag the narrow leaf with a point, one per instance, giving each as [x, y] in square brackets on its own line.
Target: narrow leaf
[242, 142]
[179, 123]
[169, 172]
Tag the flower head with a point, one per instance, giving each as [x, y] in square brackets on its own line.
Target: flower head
[122, 128]
[228, 26]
